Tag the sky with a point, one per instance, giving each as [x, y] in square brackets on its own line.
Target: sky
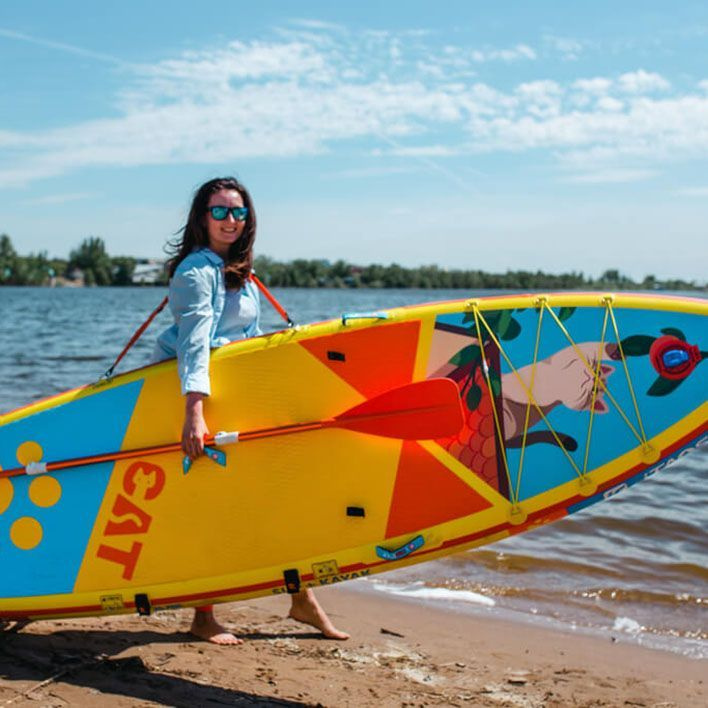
[543, 135]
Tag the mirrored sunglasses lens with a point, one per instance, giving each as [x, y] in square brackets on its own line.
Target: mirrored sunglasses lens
[239, 214]
[219, 212]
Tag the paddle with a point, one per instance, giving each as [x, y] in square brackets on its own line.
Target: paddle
[423, 410]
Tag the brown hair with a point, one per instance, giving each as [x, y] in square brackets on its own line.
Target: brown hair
[239, 261]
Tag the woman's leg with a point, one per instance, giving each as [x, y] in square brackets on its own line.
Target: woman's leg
[205, 626]
[305, 608]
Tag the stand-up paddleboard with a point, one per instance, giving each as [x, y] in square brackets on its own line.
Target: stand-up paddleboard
[349, 447]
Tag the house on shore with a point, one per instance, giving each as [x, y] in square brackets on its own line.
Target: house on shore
[148, 271]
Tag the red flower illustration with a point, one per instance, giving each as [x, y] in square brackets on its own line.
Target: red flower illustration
[673, 358]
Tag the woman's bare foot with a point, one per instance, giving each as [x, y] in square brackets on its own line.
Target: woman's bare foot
[205, 626]
[307, 610]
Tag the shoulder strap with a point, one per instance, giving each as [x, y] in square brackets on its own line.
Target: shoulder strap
[135, 337]
[271, 299]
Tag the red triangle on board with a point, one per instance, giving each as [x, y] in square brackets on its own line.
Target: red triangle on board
[427, 493]
[372, 359]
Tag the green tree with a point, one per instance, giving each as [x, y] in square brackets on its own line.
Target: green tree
[8, 260]
[92, 259]
[122, 269]
[34, 269]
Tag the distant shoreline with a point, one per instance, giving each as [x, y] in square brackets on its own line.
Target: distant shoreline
[635, 287]
[91, 265]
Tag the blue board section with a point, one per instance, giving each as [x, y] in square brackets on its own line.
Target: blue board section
[87, 426]
[545, 465]
[563, 386]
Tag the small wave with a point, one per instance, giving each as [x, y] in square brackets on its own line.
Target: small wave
[652, 527]
[641, 596]
[518, 563]
[422, 592]
[628, 625]
[78, 357]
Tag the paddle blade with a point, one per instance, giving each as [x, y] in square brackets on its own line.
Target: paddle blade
[424, 410]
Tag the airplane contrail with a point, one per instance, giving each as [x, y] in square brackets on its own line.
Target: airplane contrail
[60, 46]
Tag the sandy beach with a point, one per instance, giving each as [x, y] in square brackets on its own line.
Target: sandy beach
[400, 654]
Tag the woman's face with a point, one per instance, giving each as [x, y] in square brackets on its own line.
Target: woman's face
[227, 231]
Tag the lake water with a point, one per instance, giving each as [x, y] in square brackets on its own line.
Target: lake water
[633, 567]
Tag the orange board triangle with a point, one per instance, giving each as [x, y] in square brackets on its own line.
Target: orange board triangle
[373, 359]
[427, 493]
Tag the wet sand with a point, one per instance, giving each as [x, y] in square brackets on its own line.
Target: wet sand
[400, 654]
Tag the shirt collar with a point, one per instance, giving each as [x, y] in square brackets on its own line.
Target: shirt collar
[213, 258]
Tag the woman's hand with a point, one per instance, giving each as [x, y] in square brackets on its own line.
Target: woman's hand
[195, 428]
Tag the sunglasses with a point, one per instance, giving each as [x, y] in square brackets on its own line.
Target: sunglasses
[219, 213]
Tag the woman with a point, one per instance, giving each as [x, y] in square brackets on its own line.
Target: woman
[214, 303]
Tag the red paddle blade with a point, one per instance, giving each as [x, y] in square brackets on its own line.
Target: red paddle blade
[424, 410]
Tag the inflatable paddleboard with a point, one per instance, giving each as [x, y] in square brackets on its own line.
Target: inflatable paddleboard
[344, 449]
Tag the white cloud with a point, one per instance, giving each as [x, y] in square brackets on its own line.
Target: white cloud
[208, 75]
[539, 90]
[541, 99]
[424, 151]
[300, 96]
[613, 176]
[569, 49]
[609, 104]
[318, 25]
[518, 53]
[693, 192]
[597, 86]
[641, 81]
[59, 198]
[362, 172]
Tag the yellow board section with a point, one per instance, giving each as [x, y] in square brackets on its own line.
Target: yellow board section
[302, 484]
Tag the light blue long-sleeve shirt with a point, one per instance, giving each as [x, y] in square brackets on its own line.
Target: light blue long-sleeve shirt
[206, 316]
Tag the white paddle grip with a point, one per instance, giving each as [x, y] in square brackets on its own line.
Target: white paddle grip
[226, 438]
[36, 468]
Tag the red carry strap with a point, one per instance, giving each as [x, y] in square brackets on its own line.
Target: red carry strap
[135, 337]
[138, 332]
[271, 299]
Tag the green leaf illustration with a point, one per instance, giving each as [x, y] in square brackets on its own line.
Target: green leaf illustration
[662, 386]
[474, 396]
[492, 319]
[512, 331]
[637, 345]
[674, 333]
[466, 355]
[565, 312]
[495, 382]
[503, 325]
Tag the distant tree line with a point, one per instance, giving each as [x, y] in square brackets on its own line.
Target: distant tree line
[91, 265]
[302, 273]
[88, 264]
